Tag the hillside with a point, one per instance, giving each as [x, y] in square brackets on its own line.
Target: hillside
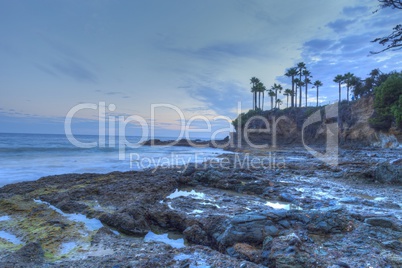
[312, 126]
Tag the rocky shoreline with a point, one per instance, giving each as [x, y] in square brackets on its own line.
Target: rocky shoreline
[289, 210]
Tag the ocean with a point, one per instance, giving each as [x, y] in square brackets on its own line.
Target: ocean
[27, 157]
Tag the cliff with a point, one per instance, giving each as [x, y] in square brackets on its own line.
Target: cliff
[314, 126]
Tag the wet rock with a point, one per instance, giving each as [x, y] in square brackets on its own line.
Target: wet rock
[285, 252]
[126, 223]
[381, 222]
[349, 200]
[286, 197]
[393, 244]
[246, 252]
[267, 244]
[395, 260]
[189, 170]
[195, 234]
[389, 172]
[248, 228]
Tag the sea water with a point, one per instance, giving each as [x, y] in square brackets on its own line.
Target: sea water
[27, 157]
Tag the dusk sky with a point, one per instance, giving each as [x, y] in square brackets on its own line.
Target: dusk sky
[196, 55]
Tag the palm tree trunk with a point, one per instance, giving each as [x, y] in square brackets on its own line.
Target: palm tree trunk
[339, 91]
[300, 92]
[263, 94]
[255, 100]
[293, 93]
[317, 96]
[306, 92]
[287, 101]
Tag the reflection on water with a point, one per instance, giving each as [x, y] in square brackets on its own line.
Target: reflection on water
[192, 193]
[172, 239]
[10, 237]
[282, 205]
[90, 224]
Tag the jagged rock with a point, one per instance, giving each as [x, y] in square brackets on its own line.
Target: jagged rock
[126, 223]
[389, 172]
[195, 234]
[285, 252]
[246, 252]
[381, 222]
[385, 140]
[393, 244]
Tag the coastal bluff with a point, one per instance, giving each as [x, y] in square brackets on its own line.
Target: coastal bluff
[313, 125]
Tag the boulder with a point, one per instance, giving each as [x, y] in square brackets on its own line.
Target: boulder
[389, 172]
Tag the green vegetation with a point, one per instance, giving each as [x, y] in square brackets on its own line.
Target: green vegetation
[388, 103]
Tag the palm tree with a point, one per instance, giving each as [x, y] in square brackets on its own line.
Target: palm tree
[339, 79]
[287, 93]
[254, 82]
[348, 77]
[297, 80]
[292, 72]
[263, 89]
[260, 89]
[276, 88]
[300, 84]
[271, 93]
[317, 84]
[300, 67]
[279, 103]
[306, 81]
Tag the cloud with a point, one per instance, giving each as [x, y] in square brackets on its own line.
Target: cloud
[75, 70]
[340, 25]
[355, 11]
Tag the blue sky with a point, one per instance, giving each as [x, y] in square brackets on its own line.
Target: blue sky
[196, 55]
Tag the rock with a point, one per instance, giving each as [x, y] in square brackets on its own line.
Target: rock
[393, 259]
[389, 172]
[381, 222]
[266, 245]
[126, 223]
[195, 234]
[30, 253]
[285, 252]
[349, 200]
[386, 140]
[393, 244]
[286, 197]
[247, 252]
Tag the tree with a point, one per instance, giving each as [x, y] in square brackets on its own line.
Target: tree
[348, 78]
[297, 82]
[300, 85]
[300, 67]
[306, 81]
[261, 90]
[355, 83]
[317, 84]
[279, 103]
[339, 79]
[276, 88]
[288, 92]
[388, 103]
[367, 86]
[292, 72]
[254, 81]
[392, 41]
[271, 93]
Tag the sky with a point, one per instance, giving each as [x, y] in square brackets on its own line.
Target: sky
[165, 65]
